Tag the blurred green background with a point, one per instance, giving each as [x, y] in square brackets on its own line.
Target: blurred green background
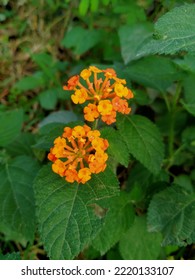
[43, 42]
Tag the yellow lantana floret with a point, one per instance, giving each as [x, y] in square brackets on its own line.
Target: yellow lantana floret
[105, 107]
[85, 74]
[78, 131]
[91, 112]
[120, 90]
[79, 97]
[84, 175]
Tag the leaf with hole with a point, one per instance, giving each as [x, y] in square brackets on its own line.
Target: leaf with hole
[118, 220]
[67, 213]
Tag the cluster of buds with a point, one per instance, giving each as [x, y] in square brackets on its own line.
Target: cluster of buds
[103, 91]
[78, 153]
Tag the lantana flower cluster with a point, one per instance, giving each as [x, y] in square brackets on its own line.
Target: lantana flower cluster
[103, 91]
[78, 153]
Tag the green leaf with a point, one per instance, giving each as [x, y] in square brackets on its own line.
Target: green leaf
[132, 12]
[189, 107]
[66, 212]
[62, 116]
[140, 190]
[47, 135]
[143, 140]
[131, 37]
[5, 2]
[48, 99]
[185, 182]
[172, 212]
[174, 32]
[46, 63]
[161, 72]
[94, 5]
[81, 40]
[188, 140]
[188, 137]
[62, 94]
[10, 125]
[180, 122]
[105, 2]
[49, 132]
[83, 7]
[117, 147]
[119, 218]
[22, 145]
[136, 175]
[139, 244]
[29, 82]
[189, 85]
[141, 97]
[2, 17]
[10, 256]
[189, 96]
[17, 209]
[43, 60]
[187, 63]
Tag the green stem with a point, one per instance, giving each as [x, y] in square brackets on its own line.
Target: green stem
[177, 95]
[179, 150]
[167, 102]
[95, 124]
[170, 161]
[171, 134]
[172, 112]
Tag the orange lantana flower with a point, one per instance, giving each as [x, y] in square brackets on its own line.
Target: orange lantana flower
[104, 92]
[78, 153]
